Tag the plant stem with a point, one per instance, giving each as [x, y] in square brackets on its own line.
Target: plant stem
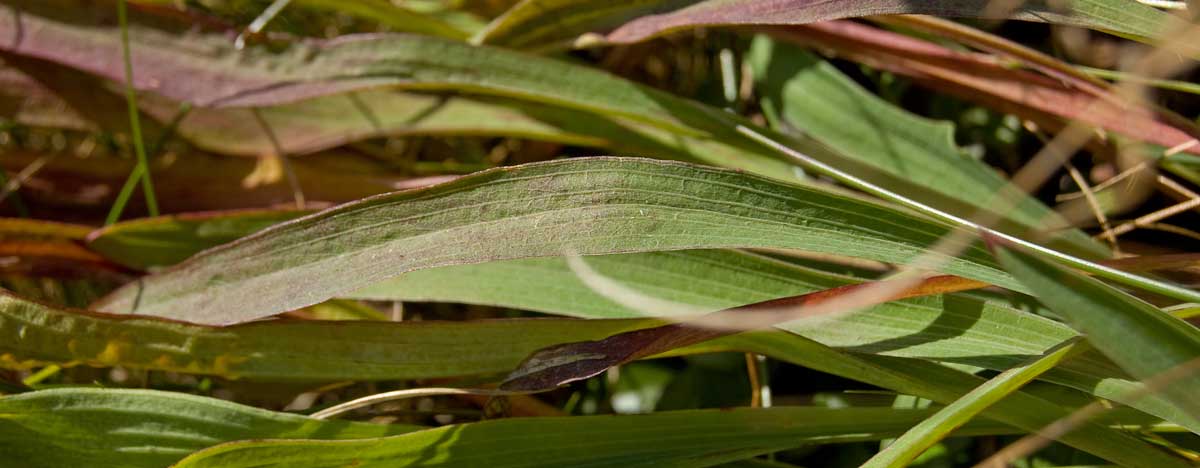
[135, 126]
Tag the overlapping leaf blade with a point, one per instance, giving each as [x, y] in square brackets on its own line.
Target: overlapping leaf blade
[167, 240]
[981, 78]
[687, 438]
[207, 70]
[1146, 342]
[951, 329]
[326, 122]
[811, 96]
[36, 334]
[942, 384]
[636, 119]
[924, 435]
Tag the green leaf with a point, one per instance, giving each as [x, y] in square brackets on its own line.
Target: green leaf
[19, 228]
[689, 438]
[955, 328]
[392, 15]
[1030, 409]
[930, 431]
[636, 119]
[329, 121]
[383, 12]
[35, 334]
[539, 23]
[167, 240]
[325, 122]
[535, 210]
[812, 96]
[208, 71]
[145, 428]
[1146, 342]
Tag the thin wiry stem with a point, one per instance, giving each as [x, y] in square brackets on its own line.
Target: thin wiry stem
[135, 125]
[402, 395]
[118, 207]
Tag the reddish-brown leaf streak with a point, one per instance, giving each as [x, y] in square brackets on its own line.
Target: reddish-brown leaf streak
[58, 259]
[560, 364]
[981, 78]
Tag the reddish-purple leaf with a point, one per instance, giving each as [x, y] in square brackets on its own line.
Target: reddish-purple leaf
[983, 78]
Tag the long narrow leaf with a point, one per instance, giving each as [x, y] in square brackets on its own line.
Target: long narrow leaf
[539, 22]
[982, 78]
[534, 210]
[653, 122]
[167, 240]
[690, 438]
[953, 328]
[145, 428]
[812, 96]
[945, 385]
[962, 330]
[1145, 341]
[907, 447]
[36, 334]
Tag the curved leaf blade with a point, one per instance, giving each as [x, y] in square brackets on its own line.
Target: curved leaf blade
[535, 210]
[954, 328]
[145, 428]
[955, 331]
[207, 71]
